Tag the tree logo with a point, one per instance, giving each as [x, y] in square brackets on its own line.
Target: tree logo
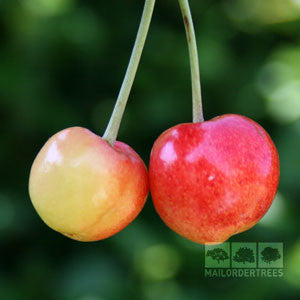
[243, 255]
[270, 254]
[239, 259]
[218, 254]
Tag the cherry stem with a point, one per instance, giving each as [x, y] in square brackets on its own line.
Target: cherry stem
[194, 60]
[111, 132]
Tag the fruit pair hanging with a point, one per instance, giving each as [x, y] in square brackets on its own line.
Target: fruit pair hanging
[208, 179]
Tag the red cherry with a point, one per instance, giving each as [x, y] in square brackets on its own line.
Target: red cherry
[86, 189]
[213, 179]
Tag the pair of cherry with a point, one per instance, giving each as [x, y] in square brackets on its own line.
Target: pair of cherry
[208, 179]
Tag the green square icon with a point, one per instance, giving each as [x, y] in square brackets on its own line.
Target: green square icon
[243, 255]
[217, 256]
[270, 255]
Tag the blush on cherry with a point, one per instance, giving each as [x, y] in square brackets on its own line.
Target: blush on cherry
[211, 180]
[86, 189]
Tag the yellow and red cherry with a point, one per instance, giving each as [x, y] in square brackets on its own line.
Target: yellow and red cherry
[86, 189]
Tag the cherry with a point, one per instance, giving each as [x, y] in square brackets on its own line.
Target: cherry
[210, 180]
[86, 189]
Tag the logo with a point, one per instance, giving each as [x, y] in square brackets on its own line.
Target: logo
[244, 260]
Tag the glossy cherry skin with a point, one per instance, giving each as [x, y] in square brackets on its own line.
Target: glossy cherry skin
[213, 179]
[86, 189]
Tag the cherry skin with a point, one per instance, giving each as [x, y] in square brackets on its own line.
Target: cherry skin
[213, 179]
[86, 189]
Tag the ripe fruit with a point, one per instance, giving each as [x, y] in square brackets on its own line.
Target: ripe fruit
[85, 188]
[211, 180]
[88, 187]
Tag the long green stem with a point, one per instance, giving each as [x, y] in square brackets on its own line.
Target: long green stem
[112, 129]
[194, 61]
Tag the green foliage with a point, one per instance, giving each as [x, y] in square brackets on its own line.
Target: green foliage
[62, 63]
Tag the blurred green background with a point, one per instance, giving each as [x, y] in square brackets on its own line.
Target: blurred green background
[62, 63]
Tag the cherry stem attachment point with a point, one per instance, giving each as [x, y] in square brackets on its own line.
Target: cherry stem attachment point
[111, 132]
[194, 60]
